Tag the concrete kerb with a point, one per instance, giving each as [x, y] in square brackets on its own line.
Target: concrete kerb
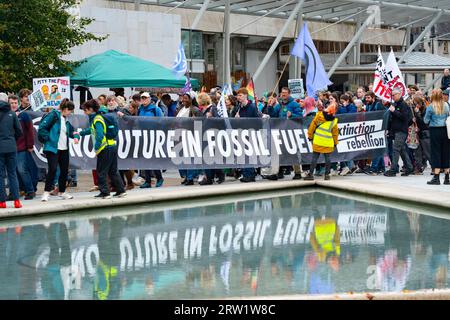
[158, 195]
[435, 199]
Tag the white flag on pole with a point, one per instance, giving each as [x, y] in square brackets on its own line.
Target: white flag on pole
[387, 77]
[222, 108]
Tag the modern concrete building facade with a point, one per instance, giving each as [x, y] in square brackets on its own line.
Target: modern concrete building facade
[153, 30]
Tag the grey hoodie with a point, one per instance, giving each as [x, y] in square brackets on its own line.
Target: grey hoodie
[9, 128]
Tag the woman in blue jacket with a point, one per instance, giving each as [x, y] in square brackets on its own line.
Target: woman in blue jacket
[54, 132]
[346, 105]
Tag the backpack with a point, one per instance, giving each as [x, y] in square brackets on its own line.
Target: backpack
[112, 125]
[42, 137]
[412, 141]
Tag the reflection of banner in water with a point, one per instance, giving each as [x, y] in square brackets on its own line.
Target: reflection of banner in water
[160, 244]
[172, 143]
[362, 228]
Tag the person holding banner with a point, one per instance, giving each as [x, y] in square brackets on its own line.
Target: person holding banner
[323, 131]
[246, 109]
[55, 131]
[188, 110]
[435, 117]
[105, 149]
[209, 110]
[399, 124]
[148, 108]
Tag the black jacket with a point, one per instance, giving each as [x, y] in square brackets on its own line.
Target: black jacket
[445, 82]
[213, 109]
[10, 129]
[400, 117]
[249, 111]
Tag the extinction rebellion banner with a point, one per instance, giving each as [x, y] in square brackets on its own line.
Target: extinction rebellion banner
[184, 143]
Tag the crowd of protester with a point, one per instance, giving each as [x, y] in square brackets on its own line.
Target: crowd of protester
[416, 132]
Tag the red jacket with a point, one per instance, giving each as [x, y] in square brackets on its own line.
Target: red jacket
[26, 141]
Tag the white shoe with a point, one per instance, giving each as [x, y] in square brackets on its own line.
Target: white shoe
[65, 195]
[333, 172]
[345, 171]
[45, 196]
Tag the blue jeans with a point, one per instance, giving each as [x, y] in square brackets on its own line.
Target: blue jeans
[189, 174]
[23, 172]
[73, 175]
[8, 162]
[348, 164]
[33, 170]
[377, 164]
[248, 172]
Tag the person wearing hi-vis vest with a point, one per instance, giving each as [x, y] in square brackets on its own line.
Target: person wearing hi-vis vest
[323, 131]
[106, 151]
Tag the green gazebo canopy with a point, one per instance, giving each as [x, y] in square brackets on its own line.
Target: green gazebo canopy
[114, 69]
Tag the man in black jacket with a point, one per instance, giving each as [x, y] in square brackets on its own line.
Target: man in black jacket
[445, 82]
[10, 131]
[246, 109]
[400, 118]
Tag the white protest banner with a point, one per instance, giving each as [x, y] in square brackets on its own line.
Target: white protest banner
[37, 100]
[387, 77]
[54, 90]
[297, 90]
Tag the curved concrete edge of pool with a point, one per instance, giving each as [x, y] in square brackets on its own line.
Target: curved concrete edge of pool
[428, 294]
[86, 200]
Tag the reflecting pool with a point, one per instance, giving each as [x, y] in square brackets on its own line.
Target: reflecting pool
[308, 242]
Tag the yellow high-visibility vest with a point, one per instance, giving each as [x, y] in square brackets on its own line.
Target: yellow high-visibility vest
[105, 142]
[323, 136]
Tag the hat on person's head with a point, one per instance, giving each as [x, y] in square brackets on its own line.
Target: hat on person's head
[145, 95]
[3, 97]
[446, 92]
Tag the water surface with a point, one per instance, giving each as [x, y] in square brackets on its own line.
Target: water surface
[307, 242]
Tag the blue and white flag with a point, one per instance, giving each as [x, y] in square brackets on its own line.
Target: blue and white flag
[187, 86]
[316, 77]
[179, 66]
[222, 108]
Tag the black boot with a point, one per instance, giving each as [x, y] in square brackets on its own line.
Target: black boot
[435, 180]
[447, 179]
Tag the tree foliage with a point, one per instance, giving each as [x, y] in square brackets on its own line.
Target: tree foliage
[34, 36]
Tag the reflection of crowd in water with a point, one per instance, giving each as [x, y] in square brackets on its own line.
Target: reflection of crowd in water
[414, 254]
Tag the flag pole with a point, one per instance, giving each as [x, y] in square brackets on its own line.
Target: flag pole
[282, 72]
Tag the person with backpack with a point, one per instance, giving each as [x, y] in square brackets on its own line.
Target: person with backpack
[54, 132]
[435, 116]
[10, 131]
[149, 109]
[104, 129]
[401, 118]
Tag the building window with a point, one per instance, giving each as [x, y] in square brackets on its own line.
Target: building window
[285, 50]
[197, 44]
[445, 47]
